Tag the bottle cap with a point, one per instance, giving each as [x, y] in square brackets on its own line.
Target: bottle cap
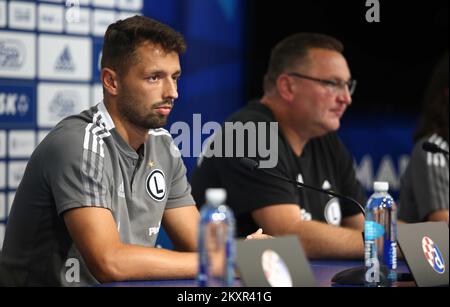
[381, 186]
[216, 196]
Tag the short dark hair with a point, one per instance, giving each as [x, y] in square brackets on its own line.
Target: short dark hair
[124, 36]
[434, 118]
[292, 50]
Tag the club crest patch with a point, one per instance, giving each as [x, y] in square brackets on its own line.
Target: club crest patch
[332, 212]
[156, 185]
[433, 255]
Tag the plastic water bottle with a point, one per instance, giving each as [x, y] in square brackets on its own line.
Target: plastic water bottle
[216, 241]
[380, 237]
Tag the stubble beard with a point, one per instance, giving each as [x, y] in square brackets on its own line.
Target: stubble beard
[129, 109]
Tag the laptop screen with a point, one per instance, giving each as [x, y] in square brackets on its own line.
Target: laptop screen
[425, 248]
[277, 262]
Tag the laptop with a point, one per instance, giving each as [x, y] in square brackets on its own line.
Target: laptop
[425, 248]
[277, 262]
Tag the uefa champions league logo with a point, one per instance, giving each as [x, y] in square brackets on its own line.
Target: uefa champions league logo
[433, 255]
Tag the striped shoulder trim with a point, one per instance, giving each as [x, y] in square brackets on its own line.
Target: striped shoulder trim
[109, 124]
[159, 131]
[94, 134]
[437, 160]
[439, 141]
[93, 161]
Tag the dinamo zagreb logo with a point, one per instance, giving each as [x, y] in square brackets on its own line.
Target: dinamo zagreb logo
[156, 185]
[433, 255]
[275, 269]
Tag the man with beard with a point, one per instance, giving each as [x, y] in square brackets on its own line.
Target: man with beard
[100, 185]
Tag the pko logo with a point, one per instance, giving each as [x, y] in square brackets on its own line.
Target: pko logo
[12, 104]
[12, 53]
[433, 255]
[63, 104]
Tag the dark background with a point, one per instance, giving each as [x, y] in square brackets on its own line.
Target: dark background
[391, 60]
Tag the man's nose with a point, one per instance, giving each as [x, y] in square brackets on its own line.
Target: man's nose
[345, 96]
[170, 89]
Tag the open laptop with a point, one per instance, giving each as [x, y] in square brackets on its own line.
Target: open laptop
[277, 262]
[425, 248]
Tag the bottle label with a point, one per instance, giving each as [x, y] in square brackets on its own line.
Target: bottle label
[372, 230]
[372, 275]
[390, 254]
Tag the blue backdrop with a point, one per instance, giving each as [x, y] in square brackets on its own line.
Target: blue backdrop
[214, 76]
[212, 68]
[213, 71]
[211, 88]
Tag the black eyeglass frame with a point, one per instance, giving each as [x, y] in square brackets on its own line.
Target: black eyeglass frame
[351, 84]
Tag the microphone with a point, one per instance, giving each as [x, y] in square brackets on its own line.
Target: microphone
[352, 276]
[252, 165]
[433, 148]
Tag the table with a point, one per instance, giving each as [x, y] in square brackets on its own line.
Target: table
[323, 270]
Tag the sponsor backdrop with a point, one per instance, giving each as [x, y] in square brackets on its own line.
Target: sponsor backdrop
[49, 69]
[50, 52]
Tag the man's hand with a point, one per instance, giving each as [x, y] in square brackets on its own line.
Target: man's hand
[258, 235]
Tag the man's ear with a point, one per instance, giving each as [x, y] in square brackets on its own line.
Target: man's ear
[109, 81]
[285, 87]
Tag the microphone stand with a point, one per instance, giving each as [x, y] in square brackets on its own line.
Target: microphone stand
[352, 276]
[328, 192]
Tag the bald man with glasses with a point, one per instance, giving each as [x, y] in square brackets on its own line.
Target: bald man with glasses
[307, 88]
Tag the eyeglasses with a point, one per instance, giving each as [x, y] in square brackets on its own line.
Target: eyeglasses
[334, 86]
